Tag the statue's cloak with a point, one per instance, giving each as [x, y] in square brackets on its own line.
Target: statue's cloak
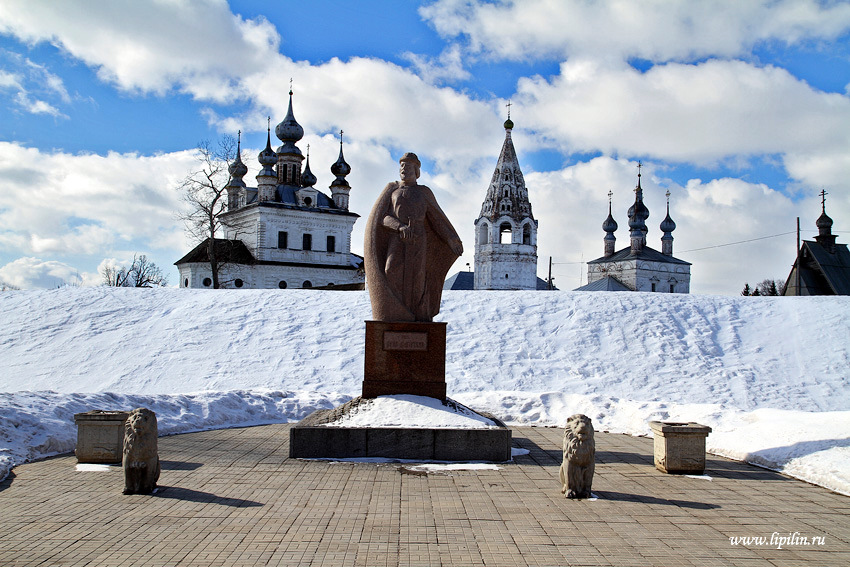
[387, 304]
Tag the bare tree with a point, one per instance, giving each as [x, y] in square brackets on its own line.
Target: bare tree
[141, 273]
[6, 287]
[205, 193]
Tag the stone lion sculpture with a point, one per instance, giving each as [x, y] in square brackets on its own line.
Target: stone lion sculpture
[141, 459]
[579, 453]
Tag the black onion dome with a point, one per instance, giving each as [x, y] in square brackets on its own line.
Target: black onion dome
[824, 221]
[267, 157]
[307, 177]
[340, 168]
[289, 130]
[667, 225]
[238, 169]
[609, 225]
[639, 210]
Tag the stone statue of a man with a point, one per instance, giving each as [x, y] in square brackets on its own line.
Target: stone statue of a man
[409, 247]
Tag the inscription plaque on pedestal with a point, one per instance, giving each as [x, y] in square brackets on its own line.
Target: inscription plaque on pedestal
[405, 358]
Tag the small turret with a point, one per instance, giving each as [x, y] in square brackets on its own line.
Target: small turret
[289, 156]
[825, 237]
[340, 187]
[667, 227]
[267, 178]
[236, 186]
[609, 226]
[638, 213]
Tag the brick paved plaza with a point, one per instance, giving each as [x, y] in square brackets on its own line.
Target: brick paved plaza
[233, 497]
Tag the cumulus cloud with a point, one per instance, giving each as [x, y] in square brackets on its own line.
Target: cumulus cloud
[687, 113]
[87, 204]
[654, 30]
[199, 46]
[34, 273]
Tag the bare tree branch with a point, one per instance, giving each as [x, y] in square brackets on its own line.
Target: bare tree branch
[141, 273]
[205, 192]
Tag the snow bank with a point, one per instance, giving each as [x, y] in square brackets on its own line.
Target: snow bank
[771, 376]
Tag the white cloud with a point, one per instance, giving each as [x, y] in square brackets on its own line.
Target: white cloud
[34, 273]
[448, 67]
[657, 30]
[31, 77]
[10, 80]
[150, 46]
[686, 113]
[58, 203]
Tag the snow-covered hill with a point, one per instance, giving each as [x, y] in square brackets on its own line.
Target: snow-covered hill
[760, 371]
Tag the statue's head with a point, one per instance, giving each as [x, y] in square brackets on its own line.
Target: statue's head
[408, 167]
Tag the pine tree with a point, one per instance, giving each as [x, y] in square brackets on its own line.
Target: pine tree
[746, 289]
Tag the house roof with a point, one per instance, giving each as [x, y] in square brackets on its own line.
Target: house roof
[231, 251]
[608, 283]
[466, 280]
[824, 273]
[646, 253]
[461, 280]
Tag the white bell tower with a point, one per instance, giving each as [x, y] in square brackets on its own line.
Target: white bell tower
[506, 232]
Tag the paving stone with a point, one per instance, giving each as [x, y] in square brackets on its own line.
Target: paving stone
[233, 497]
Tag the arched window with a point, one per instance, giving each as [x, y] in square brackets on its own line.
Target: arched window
[207, 282]
[186, 282]
[505, 231]
[281, 284]
[526, 234]
[307, 284]
[238, 283]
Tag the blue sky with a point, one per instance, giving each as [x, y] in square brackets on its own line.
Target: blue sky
[740, 110]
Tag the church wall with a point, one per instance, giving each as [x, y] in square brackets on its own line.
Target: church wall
[260, 227]
[264, 276]
[641, 275]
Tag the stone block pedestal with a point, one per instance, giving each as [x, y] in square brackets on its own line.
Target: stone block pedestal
[100, 436]
[405, 358]
[679, 447]
[400, 443]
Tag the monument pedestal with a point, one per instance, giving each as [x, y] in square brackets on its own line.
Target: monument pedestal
[316, 437]
[405, 358]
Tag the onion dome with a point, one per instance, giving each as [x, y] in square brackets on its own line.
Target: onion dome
[289, 131]
[667, 225]
[638, 210]
[340, 168]
[609, 225]
[509, 124]
[237, 169]
[824, 222]
[307, 177]
[267, 157]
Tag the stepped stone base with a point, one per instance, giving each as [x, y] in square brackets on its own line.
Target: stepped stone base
[311, 440]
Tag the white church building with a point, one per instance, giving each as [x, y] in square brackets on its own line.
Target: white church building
[638, 267]
[284, 233]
